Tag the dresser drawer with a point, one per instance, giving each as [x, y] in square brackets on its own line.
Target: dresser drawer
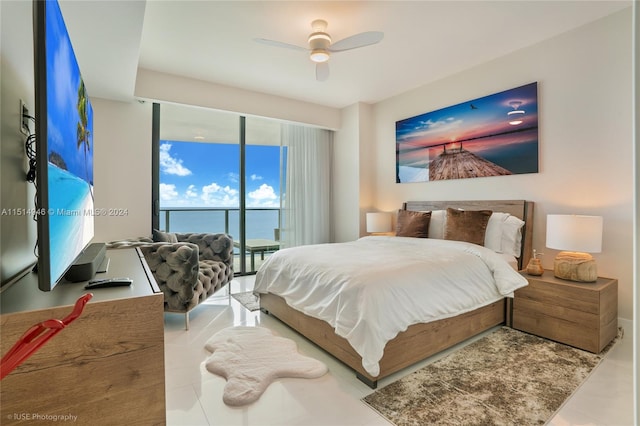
[569, 297]
[574, 328]
[583, 315]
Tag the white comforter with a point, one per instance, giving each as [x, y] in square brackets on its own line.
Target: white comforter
[371, 289]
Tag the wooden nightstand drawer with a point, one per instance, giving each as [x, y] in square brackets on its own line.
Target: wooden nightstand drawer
[584, 315]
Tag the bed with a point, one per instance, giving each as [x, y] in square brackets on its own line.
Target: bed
[377, 346]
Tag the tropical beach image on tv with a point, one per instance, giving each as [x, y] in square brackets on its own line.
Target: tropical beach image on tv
[69, 149]
[490, 136]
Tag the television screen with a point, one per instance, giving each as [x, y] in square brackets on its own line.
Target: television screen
[64, 132]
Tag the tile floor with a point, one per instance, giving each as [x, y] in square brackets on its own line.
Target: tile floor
[194, 396]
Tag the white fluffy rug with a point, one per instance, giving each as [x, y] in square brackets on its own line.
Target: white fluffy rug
[250, 358]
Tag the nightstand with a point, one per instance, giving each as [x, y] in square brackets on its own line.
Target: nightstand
[584, 315]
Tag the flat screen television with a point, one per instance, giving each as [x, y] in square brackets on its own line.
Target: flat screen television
[64, 148]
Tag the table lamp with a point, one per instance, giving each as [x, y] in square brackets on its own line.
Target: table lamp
[378, 222]
[577, 236]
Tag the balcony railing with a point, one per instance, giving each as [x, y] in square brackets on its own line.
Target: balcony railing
[260, 222]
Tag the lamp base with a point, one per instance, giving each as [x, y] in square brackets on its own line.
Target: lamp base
[575, 266]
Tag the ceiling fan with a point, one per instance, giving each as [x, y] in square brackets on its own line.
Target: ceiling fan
[320, 46]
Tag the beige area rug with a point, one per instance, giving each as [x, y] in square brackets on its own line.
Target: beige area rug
[506, 378]
[248, 300]
[250, 358]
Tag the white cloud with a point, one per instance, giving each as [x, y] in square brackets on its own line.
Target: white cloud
[168, 192]
[191, 192]
[264, 196]
[255, 177]
[219, 196]
[171, 165]
[427, 128]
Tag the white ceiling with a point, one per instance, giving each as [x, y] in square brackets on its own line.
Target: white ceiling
[213, 41]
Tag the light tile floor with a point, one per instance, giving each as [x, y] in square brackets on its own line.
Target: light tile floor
[194, 396]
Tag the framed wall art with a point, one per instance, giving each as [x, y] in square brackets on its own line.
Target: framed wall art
[490, 136]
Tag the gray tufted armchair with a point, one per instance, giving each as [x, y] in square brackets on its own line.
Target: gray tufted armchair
[187, 267]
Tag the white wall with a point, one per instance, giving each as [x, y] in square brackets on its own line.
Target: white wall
[585, 135]
[122, 171]
[345, 176]
[163, 87]
[351, 173]
[636, 111]
[367, 159]
[17, 232]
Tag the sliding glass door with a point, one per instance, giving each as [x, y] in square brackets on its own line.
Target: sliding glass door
[262, 190]
[219, 172]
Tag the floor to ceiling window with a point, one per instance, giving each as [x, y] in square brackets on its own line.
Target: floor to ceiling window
[219, 172]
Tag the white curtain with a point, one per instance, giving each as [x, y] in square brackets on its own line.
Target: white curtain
[307, 193]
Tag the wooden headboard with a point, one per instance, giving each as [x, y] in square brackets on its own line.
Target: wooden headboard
[519, 208]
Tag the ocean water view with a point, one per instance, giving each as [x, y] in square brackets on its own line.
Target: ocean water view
[260, 222]
[70, 218]
[517, 158]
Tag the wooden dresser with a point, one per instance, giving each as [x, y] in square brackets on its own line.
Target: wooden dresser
[584, 315]
[106, 367]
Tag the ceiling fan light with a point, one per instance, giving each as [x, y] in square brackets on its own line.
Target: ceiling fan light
[518, 111]
[319, 55]
[319, 41]
[515, 122]
[319, 36]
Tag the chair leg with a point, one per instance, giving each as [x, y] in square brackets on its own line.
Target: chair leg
[186, 320]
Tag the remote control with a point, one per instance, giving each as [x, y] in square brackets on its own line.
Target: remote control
[108, 282]
[100, 280]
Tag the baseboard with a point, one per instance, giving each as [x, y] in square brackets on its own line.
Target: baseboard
[627, 325]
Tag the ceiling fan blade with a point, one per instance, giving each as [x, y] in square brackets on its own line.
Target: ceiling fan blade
[357, 40]
[280, 44]
[322, 71]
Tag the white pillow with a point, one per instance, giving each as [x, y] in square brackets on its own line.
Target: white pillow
[493, 233]
[512, 236]
[437, 224]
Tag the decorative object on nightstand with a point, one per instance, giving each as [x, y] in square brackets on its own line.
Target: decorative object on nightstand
[578, 235]
[378, 222]
[535, 267]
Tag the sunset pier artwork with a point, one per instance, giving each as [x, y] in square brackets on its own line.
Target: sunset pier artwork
[458, 163]
[496, 135]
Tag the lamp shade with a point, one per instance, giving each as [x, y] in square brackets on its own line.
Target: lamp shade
[574, 233]
[379, 222]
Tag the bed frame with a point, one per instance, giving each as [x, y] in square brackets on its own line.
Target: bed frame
[419, 341]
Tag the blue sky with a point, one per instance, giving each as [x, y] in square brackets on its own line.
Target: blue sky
[194, 174]
[63, 79]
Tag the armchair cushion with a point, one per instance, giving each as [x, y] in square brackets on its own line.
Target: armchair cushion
[175, 268]
[211, 246]
[164, 237]
[187, 271]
